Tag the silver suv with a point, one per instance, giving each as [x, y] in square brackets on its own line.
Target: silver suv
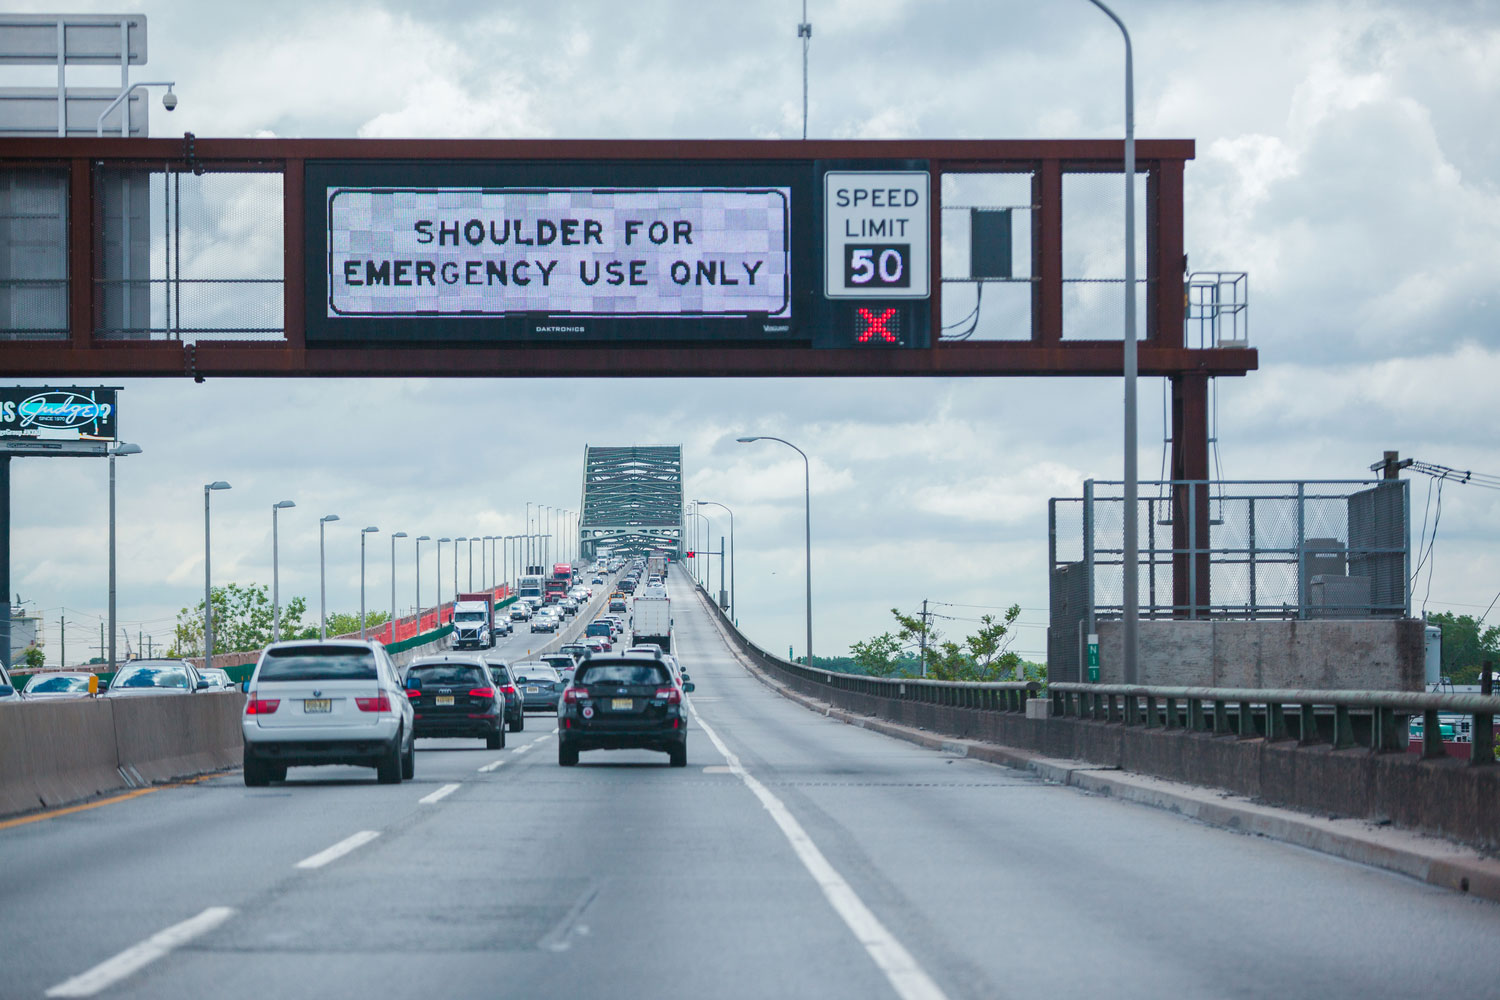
[335, 702]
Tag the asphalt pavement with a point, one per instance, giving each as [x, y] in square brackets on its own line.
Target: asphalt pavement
[805, 858]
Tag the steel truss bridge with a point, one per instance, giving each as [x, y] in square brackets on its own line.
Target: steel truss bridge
[632, 499]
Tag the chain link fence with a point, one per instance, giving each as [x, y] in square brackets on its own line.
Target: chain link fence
[186, 255]
[1231, 550]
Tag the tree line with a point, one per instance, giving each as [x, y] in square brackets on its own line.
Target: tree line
[243, 620]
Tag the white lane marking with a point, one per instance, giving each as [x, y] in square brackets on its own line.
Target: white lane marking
[554, 732]
[137, 957]
[438, 796]
[492, 765]
[906, 977]
[340, 849]
[524, 748]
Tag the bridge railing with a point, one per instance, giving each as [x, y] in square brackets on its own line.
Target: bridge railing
[1374, 719]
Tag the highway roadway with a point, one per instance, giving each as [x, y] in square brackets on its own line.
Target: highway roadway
[795, 857]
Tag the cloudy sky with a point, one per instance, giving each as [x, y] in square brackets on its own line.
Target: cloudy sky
[1346, 159]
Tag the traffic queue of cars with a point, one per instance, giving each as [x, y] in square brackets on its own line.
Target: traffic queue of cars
[341, 702]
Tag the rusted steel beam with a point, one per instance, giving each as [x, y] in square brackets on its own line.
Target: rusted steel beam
[260, 359]
[1103, 155]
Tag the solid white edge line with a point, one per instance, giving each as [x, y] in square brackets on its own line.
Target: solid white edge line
[441, 793]
[340, 849]
[906, 977]
[136, 957]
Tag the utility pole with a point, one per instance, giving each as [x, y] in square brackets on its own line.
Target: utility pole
[103, 647]
[62, 640]
[1391, 465]
[923, 655]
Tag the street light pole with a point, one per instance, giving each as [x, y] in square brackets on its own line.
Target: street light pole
[1130, 597]
[363, 630]
[439, 570]
[208, 604]
[394, 536]
[322, 579]
[715, 503]
[807, 523]
[120, 448]
[276, 509]
[418, 547]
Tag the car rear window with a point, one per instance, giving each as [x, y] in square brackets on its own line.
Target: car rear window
[145, 677]
[318, 663]
[53, 684]
[447, 673]
[535, 672]
[622, 673]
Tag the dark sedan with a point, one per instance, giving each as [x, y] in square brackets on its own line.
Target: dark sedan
[455, 696]
[623, 701]
[540, 685]
[515, 711]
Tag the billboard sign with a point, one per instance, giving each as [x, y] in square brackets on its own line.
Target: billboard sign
[717, 252]
[38, 413]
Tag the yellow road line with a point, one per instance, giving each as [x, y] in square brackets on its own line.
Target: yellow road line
[67, 810]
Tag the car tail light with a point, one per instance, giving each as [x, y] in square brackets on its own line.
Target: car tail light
[380, 703]
[481, 692]
[671, 695]
[414, 694]
[509, 689]
[573, 696]
[261, 706]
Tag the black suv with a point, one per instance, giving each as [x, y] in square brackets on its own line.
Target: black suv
[456, 696]
[622, 701]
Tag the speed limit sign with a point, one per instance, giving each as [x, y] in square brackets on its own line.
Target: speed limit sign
[876, 234]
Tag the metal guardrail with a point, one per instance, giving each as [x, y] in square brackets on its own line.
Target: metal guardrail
[995, 696]
[1238, 712]
[1264, 712]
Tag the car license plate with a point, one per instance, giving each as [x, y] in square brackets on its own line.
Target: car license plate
[622, 704]
[317, 705]
[532, 689]
[444, 699]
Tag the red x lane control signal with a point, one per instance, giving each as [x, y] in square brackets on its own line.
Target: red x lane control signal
[877, 326]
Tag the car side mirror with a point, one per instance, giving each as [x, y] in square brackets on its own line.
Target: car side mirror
[689, 687]
[686, 676]
[245, 686]
[202, 684]
[414, 684]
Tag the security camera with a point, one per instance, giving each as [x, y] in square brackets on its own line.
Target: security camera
[169, 101]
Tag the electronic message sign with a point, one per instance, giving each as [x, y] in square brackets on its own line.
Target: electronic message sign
[590, 251]
[71, 414]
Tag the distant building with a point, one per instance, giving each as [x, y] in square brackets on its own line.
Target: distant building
[22, 633]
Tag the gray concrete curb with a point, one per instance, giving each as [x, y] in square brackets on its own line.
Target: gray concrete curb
[1428, 859]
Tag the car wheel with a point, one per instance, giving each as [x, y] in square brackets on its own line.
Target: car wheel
[520, 721]
[495, 740]
[388, 771]
[257, 773]
[277, 772]
[677, 756]
[567, 756]
[409, 761]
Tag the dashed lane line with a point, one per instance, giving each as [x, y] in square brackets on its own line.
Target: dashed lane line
[338, 850]
[137, 957]
[439, 795]
[492, 765]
